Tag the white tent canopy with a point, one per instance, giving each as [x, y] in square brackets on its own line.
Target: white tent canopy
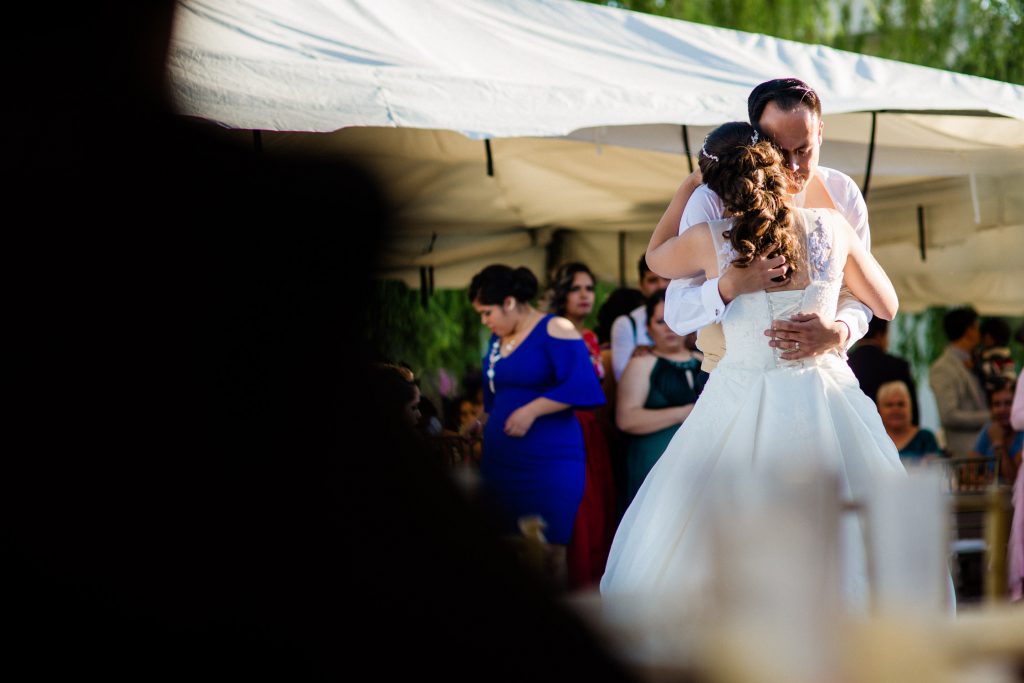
[584, 115]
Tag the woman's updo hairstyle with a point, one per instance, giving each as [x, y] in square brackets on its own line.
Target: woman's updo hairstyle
[561, 283]
[494, 283]
[748, 174]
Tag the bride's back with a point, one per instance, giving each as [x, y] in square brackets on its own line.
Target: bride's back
[814, 288]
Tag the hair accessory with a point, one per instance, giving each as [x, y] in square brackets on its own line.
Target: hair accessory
[704, 151]
[754, 138]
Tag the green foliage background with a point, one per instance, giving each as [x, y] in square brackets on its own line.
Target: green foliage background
[444, 334]
[975, 37]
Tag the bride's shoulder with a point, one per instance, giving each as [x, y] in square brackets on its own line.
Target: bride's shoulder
[813, 214]
[819, 220]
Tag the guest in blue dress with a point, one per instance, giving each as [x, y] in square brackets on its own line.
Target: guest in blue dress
[536, 370]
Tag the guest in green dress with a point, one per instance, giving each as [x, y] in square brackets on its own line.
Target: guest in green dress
[915, 444]
[656, 394]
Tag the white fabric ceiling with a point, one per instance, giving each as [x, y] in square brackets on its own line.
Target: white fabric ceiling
[584, 107]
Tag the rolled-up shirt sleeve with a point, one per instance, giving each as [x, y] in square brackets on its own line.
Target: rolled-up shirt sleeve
[850, 202]
[623, 343]
[692, 303]
[854, 314]
[689, 306]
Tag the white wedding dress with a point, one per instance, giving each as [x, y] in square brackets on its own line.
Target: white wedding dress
[757, 413]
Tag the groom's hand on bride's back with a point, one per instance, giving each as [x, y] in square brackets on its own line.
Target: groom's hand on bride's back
[805, 335]
[759, 275]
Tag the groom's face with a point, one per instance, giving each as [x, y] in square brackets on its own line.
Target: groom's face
[797, 132]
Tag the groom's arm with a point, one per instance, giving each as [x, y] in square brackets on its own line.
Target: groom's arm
[850, 311]
[691, 301]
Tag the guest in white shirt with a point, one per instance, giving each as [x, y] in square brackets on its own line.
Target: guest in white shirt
[629, 332]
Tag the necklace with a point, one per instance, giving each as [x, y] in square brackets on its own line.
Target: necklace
[498, 351]
[492, 358]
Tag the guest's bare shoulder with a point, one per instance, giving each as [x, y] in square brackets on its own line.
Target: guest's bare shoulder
[562, 328]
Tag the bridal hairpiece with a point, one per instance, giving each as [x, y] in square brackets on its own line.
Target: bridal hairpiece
[754, 138]
[704, 151]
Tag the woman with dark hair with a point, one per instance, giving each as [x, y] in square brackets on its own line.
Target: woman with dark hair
[760, 412]
[572, 297]
[536, 369]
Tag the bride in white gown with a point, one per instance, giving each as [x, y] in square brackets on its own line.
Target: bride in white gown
[759, 412]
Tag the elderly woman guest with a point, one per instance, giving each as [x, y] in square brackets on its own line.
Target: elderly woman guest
[915, 444]
[572, 296]
[656, 394]
[536, 370]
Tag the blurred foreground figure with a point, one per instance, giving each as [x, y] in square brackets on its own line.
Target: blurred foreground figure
[192, 505]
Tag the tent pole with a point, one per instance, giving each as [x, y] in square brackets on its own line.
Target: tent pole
[257, 141]
[424, 295]
[622, 259]
[920, 231]
[686, 146]
[871, 156]
[553, 251]
[430, 276]
[490, 158]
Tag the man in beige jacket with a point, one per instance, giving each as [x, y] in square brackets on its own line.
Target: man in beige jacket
[958, 393]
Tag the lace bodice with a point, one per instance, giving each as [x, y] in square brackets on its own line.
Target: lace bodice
[749, 315]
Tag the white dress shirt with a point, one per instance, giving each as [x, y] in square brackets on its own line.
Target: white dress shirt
[624, 341]
[692, 303]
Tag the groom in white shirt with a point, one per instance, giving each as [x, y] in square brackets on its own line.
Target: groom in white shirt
[789, 112]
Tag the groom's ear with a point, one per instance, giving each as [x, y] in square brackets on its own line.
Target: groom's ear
[821, 129]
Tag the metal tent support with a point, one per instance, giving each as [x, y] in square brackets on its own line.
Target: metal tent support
[622, 259]
[424, 287]
[920, 232]
[871, 156]
[686, 147]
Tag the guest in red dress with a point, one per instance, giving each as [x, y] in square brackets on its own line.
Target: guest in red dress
[572, 296]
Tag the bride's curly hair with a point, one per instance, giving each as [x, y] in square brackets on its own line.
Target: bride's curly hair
[748, 174]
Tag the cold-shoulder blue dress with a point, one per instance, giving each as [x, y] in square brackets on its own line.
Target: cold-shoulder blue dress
[540, 473]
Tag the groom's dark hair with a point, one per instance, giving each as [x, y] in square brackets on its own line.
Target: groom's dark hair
[786, 93]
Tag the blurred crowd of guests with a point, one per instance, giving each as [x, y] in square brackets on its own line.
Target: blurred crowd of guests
[626, 386]
[973, 381]
[583, 415]
[980, 408]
